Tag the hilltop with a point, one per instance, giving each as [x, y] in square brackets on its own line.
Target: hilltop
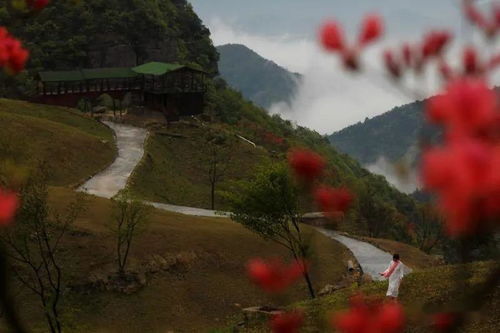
[258, 79]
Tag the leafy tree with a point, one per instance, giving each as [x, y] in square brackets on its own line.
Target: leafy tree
[33, 245]
[128, 220]
[269, 206]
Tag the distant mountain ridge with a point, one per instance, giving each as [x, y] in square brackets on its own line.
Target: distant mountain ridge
[258, 79]
[393, 135]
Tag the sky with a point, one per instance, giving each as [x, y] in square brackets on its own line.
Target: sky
[285, 31]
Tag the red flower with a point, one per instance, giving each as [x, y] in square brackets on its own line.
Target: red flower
[332, 37]
[445, 70]
[8, 206]
[392, 66]
[371, 30]
[443, 322]
[370, 318]
[350, 60]
[464, 174]
[306, 164]
[12, 54]
[466, 106]
[37, 4]
[471, 62]
[434, 43]
[332, 200]
[407, 54]
[274, 276]
[287, 322]
[474, 15]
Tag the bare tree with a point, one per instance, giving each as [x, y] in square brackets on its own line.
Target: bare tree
[217, 161]
[33, 244]
[129, 219]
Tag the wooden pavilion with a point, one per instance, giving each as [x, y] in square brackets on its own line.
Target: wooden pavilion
[176, 90]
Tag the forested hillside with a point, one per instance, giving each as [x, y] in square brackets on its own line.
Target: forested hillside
[392, 135]
[259, 80]
[113, 33]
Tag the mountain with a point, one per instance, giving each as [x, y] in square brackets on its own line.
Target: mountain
[385, 142]
[114, 33]
[393, 135]
[259, 80]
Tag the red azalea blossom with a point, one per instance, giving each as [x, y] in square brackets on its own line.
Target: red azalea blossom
[471, 61]
[306, 164]
[12, 54]
[474, 15]
[37, 4]
[443, 322]
[287, 322]
[370, 318]
[372, 29]
[8, 206]
[434, 43]
[407, 54]
[350, 60]
[332, 37]
[466, 105]
[391, 64]
[445, 70]
[274, 276]
[333, 200]
[464, 174]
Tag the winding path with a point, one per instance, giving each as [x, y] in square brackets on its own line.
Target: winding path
[130, 142]
[371, 259]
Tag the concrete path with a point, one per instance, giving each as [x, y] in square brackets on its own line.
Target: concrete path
[372, 259]
[130, 142]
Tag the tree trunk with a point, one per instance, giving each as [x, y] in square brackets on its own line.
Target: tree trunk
[212, 196]
[309, 285]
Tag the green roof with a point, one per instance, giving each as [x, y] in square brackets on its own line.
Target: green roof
[156, 68]
[87, 74]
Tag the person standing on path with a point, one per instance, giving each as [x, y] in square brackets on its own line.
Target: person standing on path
[394, 273]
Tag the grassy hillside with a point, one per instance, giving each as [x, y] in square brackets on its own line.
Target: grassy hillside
[259, 80]
[427, 289]
[174, 168]
[72, 146]
[205, 287]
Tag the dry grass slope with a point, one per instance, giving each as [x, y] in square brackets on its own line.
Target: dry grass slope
[72, 146]
[202, 291]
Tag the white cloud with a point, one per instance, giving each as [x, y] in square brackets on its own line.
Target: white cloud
[328, 98]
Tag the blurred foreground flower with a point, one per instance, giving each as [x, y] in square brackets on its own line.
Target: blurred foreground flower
[37, 4]
[274, 275]
[13, 56]
[444, 322]
[289, 322]
[306, 164]
[332, 38]
[8, 206]
[333, 201]
[370, 318]
[464, 170]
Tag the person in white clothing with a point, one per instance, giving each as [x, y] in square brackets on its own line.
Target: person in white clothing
[394, 273]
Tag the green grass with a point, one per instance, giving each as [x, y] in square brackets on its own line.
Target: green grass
[69, 117]
[426, 290]
[208, 291]
[173, 171]
[72, 146]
